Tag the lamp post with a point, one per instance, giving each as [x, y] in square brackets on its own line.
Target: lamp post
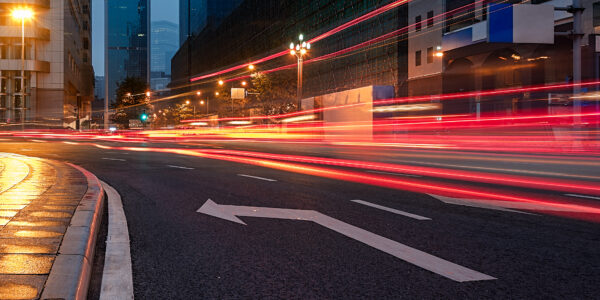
[22, 14]
[198, 93]
[299, 50]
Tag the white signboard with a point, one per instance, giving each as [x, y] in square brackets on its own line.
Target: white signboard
[238, 93]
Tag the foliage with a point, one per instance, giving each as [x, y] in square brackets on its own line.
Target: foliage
[131, 100]
[276, 92]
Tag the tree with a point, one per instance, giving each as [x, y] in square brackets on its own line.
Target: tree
[276, 93]
[131, 100]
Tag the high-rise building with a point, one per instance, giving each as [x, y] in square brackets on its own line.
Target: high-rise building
[195, 15]
[164, 45]
[59, 77]
[127, 24]
[258, 28]
[192, 18]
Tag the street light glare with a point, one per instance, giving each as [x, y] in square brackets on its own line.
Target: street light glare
[251, 67]
[243, 83]
[22, 13]
[148, 94]
[301, 37]
[303, 51]
[187, 101]
[292, 46]
[198, 93]
[293, 52]
[216, 93]
[221, 82]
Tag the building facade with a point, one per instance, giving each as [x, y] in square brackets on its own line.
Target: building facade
[192, 18]
[164, 45]
[474, 55]
[127, 43]
[59, 79]
[195, 15]
[257, 28]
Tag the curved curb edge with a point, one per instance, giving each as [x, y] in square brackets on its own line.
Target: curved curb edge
[70, 274]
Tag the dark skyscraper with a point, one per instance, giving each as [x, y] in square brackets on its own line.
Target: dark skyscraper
[192, 18]
[127, 43]
[195, 15]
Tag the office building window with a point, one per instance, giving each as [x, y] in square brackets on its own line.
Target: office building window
[429, 55]
[596, 12]
[418, 23]
[430, 18]
[418, 58]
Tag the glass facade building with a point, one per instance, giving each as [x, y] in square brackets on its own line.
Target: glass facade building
[126, 41]
[257, 28]
[195, 15]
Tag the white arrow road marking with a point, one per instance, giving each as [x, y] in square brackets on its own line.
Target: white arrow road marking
[256, 177]
[416, 257]
[475, 203]
[398, 212]
[117, 159]
[179, 167]
[583, 196]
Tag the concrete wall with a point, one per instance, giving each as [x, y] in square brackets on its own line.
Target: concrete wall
[354, 121]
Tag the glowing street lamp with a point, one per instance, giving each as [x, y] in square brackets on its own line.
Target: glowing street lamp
[439, 52]
[251, 67]
[23, 14]
[299, 50]
[221, 82]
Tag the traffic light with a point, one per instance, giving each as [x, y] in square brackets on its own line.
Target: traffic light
[144, 117]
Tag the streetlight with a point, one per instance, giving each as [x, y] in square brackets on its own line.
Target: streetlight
[244, 83]
[221, 82]
[299, 50]
[251, 67]
[22, 14]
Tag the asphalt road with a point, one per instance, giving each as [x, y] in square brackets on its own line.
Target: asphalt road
[179, 253]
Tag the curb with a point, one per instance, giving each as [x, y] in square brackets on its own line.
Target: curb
[70, 274]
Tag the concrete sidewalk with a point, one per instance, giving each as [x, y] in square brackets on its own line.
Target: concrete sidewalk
[50, 214]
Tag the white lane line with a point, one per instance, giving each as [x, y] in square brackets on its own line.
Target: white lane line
[256, 177]
[38, 141]
[395, 174]
[71, 143]
[117, 277]
[583, 196]
[398, 212]
[179, 167]
[117, 159]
